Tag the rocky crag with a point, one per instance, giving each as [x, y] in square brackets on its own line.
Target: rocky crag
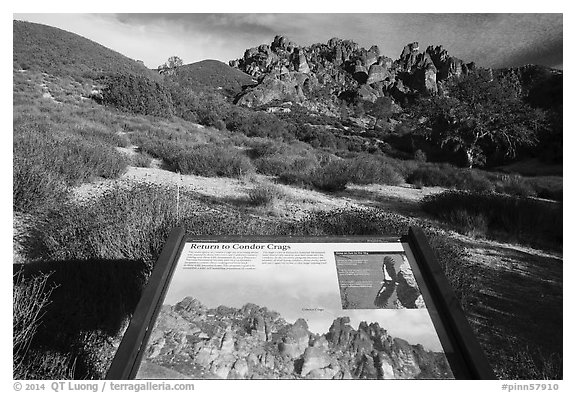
[253, 342]
[319, 73]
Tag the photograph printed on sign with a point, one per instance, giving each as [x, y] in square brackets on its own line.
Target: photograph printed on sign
[376, 280]
[272, 311]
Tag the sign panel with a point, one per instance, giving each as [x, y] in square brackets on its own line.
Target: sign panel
[284, 308]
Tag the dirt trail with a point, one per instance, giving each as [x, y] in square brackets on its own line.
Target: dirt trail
[295, 202]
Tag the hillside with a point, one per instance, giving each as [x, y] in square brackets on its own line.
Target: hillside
[211, 75]
[57, 52]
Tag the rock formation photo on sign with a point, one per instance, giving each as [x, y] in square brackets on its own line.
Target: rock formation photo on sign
[253, 342]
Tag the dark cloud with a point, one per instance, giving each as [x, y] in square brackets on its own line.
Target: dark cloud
[211, 24]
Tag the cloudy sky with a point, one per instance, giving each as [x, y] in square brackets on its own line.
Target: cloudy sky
[490, 40]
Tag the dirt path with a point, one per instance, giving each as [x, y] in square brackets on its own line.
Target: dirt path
[294, 203]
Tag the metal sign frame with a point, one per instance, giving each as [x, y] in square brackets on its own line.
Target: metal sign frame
[462, 349]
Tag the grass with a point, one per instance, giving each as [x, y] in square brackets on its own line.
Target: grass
[523, 220]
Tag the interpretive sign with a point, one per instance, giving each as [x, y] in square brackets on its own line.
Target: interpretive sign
[286, 308]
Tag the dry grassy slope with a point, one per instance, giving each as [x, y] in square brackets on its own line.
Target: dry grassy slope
[38, 47]
[213, 75]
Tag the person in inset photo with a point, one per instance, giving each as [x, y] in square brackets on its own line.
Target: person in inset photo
[383, 298]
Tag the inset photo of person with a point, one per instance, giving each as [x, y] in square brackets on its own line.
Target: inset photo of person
[377, 280]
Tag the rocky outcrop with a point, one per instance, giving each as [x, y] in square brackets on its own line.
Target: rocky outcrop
[409, 57]
[448, 66]
[276, 87]
[295, 340]
[407, 289]
[378, 73]
[319, 364]
[322, 72]
[254, 342]
[300, 62]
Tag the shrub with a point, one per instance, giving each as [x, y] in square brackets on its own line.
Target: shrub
[430, 176]
[136, 94]
[523, 220]
[34, 188]
[473, 224]
[211, 160]
[370, 169]
[265, 147]
[474, 181]
[331, 177]
[450, 177]
[334, 175]
[30, 298]
[514, 185]
[124, 223]
[47, 161]
[274, 165]
[264, 194]
[419, 156]
[548, 187]
[73, 157]
[141, 160]
[280, 164]
[92, 130]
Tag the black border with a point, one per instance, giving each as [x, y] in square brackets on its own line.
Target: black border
[465, 355]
